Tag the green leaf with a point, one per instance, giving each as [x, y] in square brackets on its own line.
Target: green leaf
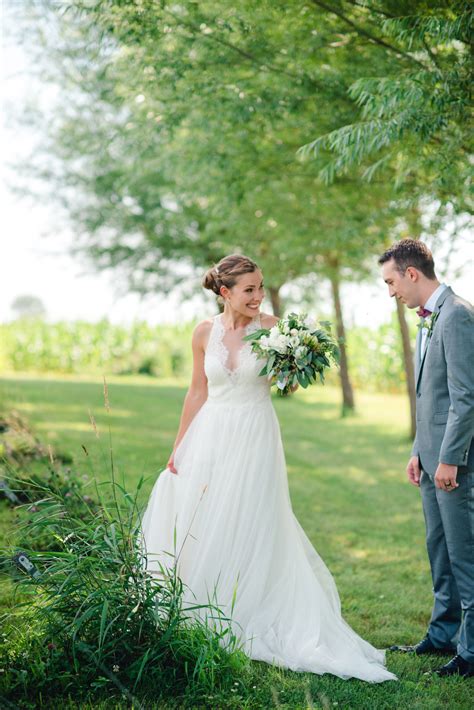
[142, 667]
[103, 620]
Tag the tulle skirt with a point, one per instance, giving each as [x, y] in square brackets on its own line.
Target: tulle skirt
[226, 517]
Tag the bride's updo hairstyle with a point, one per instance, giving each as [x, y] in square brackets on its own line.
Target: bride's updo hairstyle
[227, 271]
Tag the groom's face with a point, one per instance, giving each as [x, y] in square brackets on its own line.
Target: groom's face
[401, 285]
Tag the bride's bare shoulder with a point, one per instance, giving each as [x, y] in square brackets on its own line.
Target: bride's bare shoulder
[202, 330]
[267, 320]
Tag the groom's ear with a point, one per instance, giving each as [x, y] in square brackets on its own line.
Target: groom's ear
[412, 273]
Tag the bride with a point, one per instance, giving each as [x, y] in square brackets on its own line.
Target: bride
[223, 503]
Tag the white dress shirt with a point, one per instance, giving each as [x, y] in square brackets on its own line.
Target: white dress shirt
[430, 305]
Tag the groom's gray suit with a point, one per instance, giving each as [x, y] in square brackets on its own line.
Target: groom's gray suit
[444, 375]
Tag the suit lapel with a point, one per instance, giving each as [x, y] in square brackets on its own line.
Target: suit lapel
[422, 356]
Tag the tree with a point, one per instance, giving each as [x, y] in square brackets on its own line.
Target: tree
[415, 123]
[180, 134]
[28, 306]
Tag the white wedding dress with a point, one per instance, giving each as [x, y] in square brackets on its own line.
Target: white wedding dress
[228, 515]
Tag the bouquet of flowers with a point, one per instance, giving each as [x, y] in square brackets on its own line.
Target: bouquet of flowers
[297, 349]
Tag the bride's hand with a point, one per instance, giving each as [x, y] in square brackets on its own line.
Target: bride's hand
[171, 465]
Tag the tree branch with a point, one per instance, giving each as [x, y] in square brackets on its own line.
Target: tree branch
[389, 15]
[431, 54]
[250, 57]
[371, 9]
[365, 33]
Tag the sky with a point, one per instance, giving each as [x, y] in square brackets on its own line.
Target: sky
[35, 244]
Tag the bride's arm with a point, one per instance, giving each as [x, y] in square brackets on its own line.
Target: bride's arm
[197, 392]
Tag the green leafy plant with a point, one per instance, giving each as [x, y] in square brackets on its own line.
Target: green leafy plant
[92, 619]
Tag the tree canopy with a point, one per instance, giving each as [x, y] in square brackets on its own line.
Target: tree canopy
[415, 122]
[180, 134]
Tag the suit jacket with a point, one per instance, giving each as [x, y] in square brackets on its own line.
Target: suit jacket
[444, 377]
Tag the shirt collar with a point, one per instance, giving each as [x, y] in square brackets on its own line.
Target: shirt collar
[430, 304]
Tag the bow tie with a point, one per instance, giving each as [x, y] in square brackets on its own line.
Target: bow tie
[423, 312]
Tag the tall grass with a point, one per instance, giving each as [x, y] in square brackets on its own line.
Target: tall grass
[92, 620]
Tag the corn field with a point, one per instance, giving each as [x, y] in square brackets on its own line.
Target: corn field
[33, 345]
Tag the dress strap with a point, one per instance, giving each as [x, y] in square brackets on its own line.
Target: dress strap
[254, 324]
[214, 344]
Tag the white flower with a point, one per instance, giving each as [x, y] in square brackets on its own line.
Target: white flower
[301, 352]
[429, 323]
[310, 323]
[282, 346]
[264, 342]
[294, 341]
[279, 342]
[294, 331]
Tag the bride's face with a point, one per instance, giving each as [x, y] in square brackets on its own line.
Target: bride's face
[247, 294]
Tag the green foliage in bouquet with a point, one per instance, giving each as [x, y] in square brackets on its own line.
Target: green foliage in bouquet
[298, 350]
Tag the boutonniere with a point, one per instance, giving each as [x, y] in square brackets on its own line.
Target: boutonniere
[429, 323]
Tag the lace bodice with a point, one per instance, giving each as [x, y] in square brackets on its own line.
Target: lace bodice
[232, 369]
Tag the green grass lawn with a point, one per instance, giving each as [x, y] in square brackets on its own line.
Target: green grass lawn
[348, 490]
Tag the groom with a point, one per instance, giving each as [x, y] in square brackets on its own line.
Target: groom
[442, 461]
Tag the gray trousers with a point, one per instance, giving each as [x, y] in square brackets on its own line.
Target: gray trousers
[449, 519]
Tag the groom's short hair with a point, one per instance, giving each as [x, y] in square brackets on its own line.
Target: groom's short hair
[410, 252]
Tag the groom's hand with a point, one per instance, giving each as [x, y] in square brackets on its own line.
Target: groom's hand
[445, 477]
[413, 471]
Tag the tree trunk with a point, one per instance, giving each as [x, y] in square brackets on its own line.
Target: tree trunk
[414, 228]
[409, 366]
[348, 405]
[275, 300]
